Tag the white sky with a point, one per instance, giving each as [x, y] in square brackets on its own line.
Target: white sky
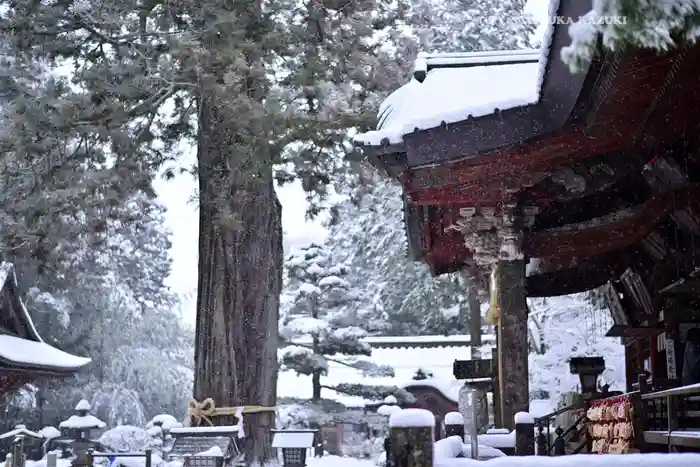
[178, 196]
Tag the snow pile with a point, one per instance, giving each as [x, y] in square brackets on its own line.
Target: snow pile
[448, 448]
[498, 441]
[388, 410]
[434, 102]
[126, 438]
[524, 418]
[454, 418]
[50, 432]
[214, 451]
[408, 418]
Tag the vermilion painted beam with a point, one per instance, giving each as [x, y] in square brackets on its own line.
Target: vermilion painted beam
[598, 240]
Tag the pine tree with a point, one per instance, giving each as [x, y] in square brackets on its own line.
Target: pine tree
[649, 24]
[471, 25]
[401, 296]
[318, 313]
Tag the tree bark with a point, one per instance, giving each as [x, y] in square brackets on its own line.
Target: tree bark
[240, 272]
[316, 375]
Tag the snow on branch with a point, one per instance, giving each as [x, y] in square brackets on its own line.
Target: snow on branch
[374, 392]
[647, 24]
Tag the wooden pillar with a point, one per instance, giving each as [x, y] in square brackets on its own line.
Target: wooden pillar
[497, 415]
[512, 338]
[474, 321]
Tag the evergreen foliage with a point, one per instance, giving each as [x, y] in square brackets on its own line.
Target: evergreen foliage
[322, 313]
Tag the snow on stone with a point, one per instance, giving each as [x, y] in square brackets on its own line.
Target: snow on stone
[388, 410]
[83, 405]
[451, 95]
[214, 451]
[498, 441]
[523, 417]
[293, 439]
[390, 400]
[484, 452]
[309, 289]
[82, 422]
[333, 281]
[408, 418]
[50, 432]
[448, 448]
[454, 418]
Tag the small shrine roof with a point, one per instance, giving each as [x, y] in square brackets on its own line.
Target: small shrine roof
[21, 347]
[21, 352]
[21, 430]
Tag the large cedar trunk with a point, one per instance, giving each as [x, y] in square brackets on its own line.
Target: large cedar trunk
[240, 274]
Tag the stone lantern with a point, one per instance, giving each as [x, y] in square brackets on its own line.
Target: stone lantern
[82, 428]
[588, 370]
[294, 444]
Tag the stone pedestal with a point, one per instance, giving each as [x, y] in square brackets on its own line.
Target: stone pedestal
[465, 408]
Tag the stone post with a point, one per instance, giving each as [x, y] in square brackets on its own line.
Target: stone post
[524, 434]
[454, 425]
[412, 438]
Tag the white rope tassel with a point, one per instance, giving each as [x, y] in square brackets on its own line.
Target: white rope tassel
[239, 416]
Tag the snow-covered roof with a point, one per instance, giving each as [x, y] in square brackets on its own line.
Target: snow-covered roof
[83, 405]
[293, 439]
[82, 422]
[452, 87]
[449, 95]
[24, 352]
[405, 362]
[21, 430]
[30, 350]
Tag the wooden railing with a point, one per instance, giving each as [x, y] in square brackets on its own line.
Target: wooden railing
[672, 418]
[576, 432]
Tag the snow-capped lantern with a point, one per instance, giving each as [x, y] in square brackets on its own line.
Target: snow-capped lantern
[82, 426]
[294, 444]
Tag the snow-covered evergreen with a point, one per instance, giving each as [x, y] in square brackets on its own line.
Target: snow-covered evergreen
[321, 324]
